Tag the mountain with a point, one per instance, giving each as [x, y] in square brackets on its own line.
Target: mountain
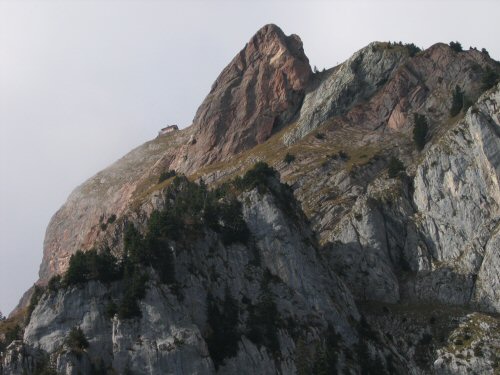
[344, 221]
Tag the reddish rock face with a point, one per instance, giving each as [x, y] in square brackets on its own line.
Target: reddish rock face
[262, 88]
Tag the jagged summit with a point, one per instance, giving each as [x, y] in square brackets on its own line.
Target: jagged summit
[261, 89]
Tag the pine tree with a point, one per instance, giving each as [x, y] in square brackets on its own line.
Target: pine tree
[420, 130]
[302, 358]
[457, 101]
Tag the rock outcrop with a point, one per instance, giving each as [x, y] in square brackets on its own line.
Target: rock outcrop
[256, 94]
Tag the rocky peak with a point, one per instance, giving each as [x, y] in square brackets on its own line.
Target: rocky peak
[261, 89]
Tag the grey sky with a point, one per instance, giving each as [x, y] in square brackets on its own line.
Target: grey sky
[83, 82]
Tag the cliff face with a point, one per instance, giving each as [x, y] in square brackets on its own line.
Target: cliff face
[430, 238]
[388, 259]
[278, 265]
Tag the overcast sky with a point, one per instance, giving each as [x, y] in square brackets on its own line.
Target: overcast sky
[83, 82]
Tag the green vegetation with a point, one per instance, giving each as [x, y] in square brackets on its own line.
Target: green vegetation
[43, 366]
[77, 341]
[257, 177]
[320, 136]
[303, 361]
[105, 267]
[11, 333]
[166, 175]
[457, 101]
[111, 219]
[263, 320]
[420, 130]
[11, 329]
[91, 265]
[326, 355]
[320, 357]
[135, 281]
[395, 167]
[490, 78]
[111, 309]
[189, 211]
[456, 46]
[341, 155]
[224, 334]
[289, 158]
[34, 299]
[412, 49]
[190, 208]
[370, 364]
[54, 283]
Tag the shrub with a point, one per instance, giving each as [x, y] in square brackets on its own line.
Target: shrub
[91, 265]
[478, 351]
[343, 155]
[159, 255]
[135, 289]
[43, 366]
[12, 334]
[457, 101]
[76, 340]
[55, 283]
[166, 175]
[263, 321]
[395, 167]
[257, 177]
[456, 46]
[412, 49]
[111, 219]
[420, 130]
[489, 79]
[35, 298]
[231, 224]
[111, 309]
[223, 338]
[302, 358]
[326, 356]
[320, 136]
[289, 158]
